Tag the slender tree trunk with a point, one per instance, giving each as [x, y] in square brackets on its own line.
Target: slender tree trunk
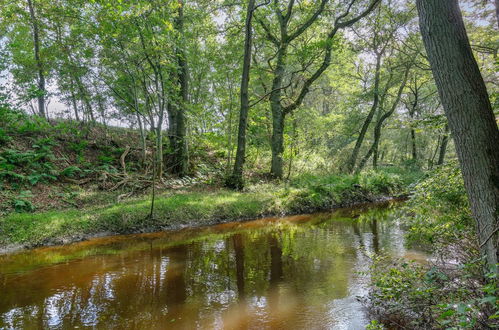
[469, 114]
[153, 191]
[142, 139]
[229, 139]
[377, 130]
[497, 12]
[172, 130]
[443, 146]
[414, 147]
[102, 111]
[159, 145]
[236, 180]
[431, 159]
[38, 60]
[73, 101]
[85, 99]
[356, 149]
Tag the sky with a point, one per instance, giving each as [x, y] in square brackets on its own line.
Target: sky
[56, 107]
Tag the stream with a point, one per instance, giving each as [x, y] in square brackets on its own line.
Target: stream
[298, 272]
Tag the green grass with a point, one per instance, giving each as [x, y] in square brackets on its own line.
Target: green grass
[303, 194]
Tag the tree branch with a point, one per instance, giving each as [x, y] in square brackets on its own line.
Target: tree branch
[269, 34]
[329, 47]
[308, 22]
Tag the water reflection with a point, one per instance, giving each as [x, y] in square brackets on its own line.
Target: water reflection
[290, 273]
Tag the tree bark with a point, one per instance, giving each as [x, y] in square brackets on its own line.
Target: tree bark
[443, 146]
[236, 180]
[278, 115]
[180, 157]
[469, 114]
[413, 144]
[38, 60]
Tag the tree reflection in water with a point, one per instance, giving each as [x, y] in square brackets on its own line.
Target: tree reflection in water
[293, 272]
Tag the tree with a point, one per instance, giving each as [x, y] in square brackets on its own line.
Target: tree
[284, 79]
[373, 150]
[469, 114]
[177, 113]
[38, 60]
[236, 179]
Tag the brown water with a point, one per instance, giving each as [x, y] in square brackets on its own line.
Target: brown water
[298, 272]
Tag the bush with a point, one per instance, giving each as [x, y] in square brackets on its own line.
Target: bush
[452, 291]
[21, 202]
[380, 182]
[430, 296]
[441, 216]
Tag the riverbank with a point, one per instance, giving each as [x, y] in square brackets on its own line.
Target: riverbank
[187, 208]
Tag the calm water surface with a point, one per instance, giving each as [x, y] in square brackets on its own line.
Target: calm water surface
[299, 272]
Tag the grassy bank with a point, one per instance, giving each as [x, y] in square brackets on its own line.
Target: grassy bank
[183, 208]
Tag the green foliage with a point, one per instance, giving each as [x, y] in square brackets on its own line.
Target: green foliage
[380, 182]
[71, 171]
[375, 325]
[441, 294]
[78, 147]
[29, 167]
[440, 209]
[423, 296]
[312, 192]
[21, 202]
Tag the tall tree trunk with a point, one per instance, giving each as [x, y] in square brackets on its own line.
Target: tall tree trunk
[277, 142]
[469, 114]
[180, 156]
[443, 146]
[360, 139]
[278, 115]
[38, 60]
[236, 180]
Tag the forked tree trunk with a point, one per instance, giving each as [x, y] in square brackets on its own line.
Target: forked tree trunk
[373, 150]
[352, 161]
[469, 113]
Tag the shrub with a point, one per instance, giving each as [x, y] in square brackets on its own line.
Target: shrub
[21, 202]
[452, 291]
